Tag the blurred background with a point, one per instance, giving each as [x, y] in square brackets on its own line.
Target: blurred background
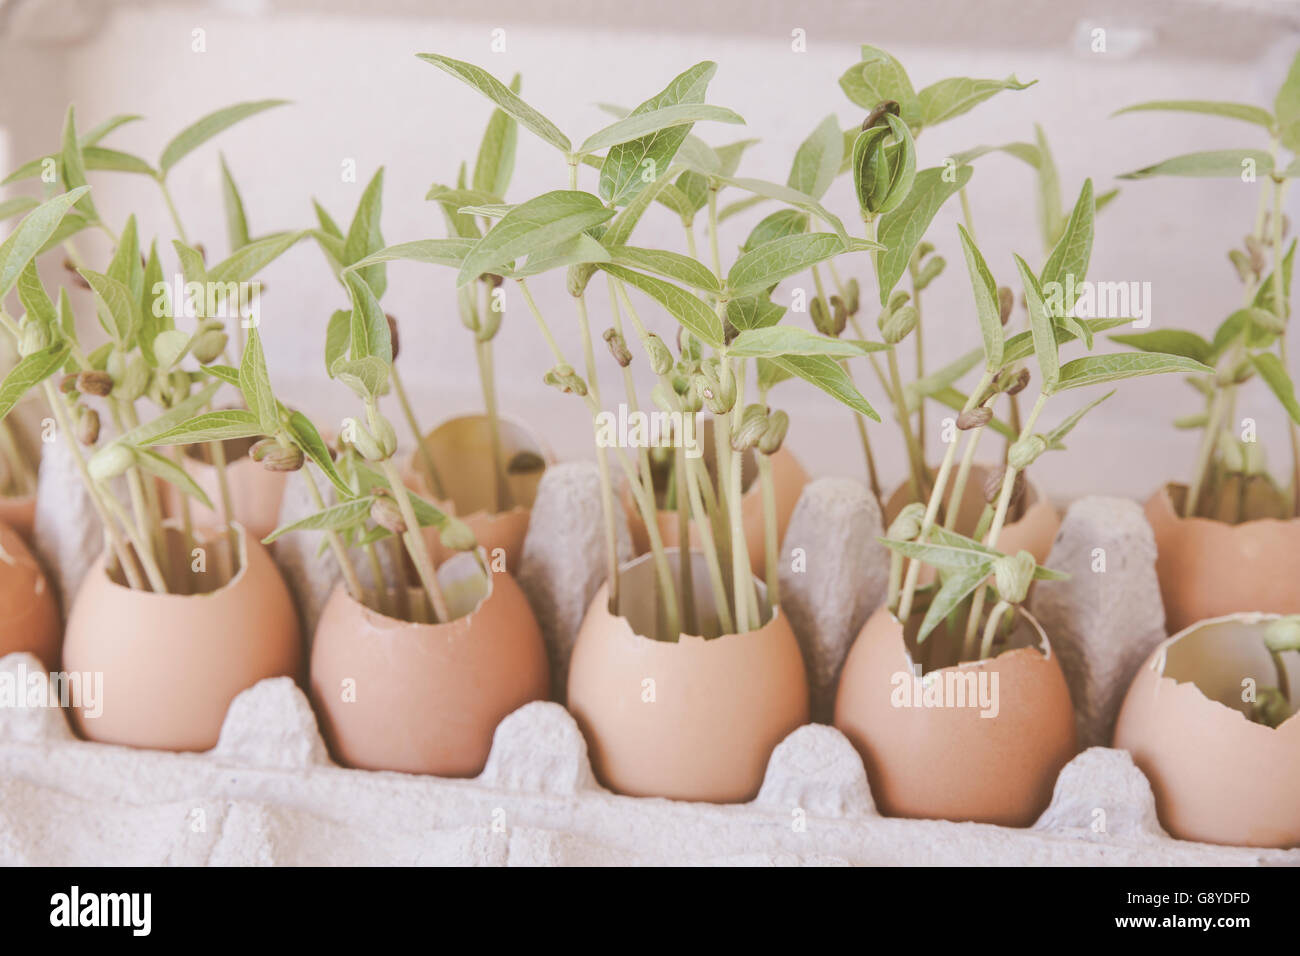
[361, 97]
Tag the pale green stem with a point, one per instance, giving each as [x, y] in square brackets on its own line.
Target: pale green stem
[422, 449]
[991, 628]
[771, 547]
[959, 483]
[350, 579]
[227, 508]
[487, 377]
[377, 572]
[415, 543]
[171, 209]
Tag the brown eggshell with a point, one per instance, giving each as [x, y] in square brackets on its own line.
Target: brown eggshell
[428, 697]
[788, 480]
[950, 762]
[719, 706]
[1209, 568]
[19, 514]
[255, 495]
[462, 453]
[1034, 531]
[172, 663]
[1218, 777]
[29, 612]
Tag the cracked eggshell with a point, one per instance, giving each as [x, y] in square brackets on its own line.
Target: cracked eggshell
[1209, 568]
[949, 762]
[29, 611]
[427, 698]
[462, 452]
[19, 514]
[1217, 776]
[172, 663]
[691, 719]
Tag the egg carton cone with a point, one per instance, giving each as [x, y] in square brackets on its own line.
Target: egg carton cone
[269, 793]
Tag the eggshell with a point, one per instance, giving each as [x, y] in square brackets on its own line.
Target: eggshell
[462, 452]
[788, 480]
[427, 698]
[29, 612]
[950, 762]
[19, 514]
[1208, 568]
[692, 719]
[1218, 777]
[1034, 531]
[172, 663]
[255, 494]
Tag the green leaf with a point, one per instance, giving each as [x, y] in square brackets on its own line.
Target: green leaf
[1073, 250]
[1273, 372]
[192, 266]
[940, 378]
[17, 205]
[672, 265]
[366, 376]
[1169, 341]
[777, 225]
[638, 125]
[31, 235]
[1050, 218]
[255, 383]
[114, 161]
[369, 327]
[211, 426]
[1286, 106]
[902, 229]
[826, 374]
[172, 473]
[1057, 434]
[248, 261]
[72, 167]
[36, 301]
[195, 135]
[327, 223]
[956, 95]
[495, 163]
[126, 266]
[144, 434]
[1042, 329]
[1266, 294]
[364, 235]
[1025, 152]
[754, 312]
[791, 197]
[576, 250]
[956, 587]
[1095, 369]
[817, 161]
[761, 268]
[624, 172]
[439, 252]
[540, 222]
[30, 371]
[307, 438]
[1238, 111]
[236, 219]
[693, 314]
[1021, 345]
[338, 336]
[498, 93]
[101, 130]
[784, 340]
[339, 517]
[987, 307]
[1217, 163]
[880, 77]
[118, 310]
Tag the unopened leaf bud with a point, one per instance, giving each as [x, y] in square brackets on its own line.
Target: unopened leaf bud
[853, 300]
[908, 523]
[384, 511]
[110, 461]
[778, 423]
[1283, 634]
[993, 487]
[35, 337]
[1241, 262]
[976, 417]
[897, 326]
[618, 347]
[1025, 451]
[1006, 302]
[877, 115]
[753, 422]
[68, 384]
[1012, 575]
[88, 426]
[930, 271]
[457, 536]
[393, 336]
[94, 382]
[821, 316]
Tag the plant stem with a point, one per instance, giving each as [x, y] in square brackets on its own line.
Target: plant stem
[690, 241]
[991, 628]
[415, 543]
[920, 367]
[917, 477]
[699, 478]
[377, 572]
[742, 576]
[684, 571]
[401, 594]
[422, 449]
[1284, 308]
[1206, 452]
[350, 579]
[713, 231]
[55, 400]
[218, 449]
[151, 569]
[771, 547]
[171, 208]
[966, 213]
[502, 499]
[959, 483]
[629, 383]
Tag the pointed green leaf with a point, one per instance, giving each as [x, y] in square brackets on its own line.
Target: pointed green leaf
[1096, 369]
[786, 340]
[1169, 341]
[1238, 111]
[533, 225]
[307, 438]
[576, 250]
[144, 434]
[1073, 250]
[31, 235]
[817, 161]
[901, 231]
[1286, 107]
[694, 315]
[1021, 345]
[761, 268]
[1042, 329]
[115, 161]
[777, 225]
[500, 94]
[956, 587]
[172, 473]
[339, 517]
[126, 265]
[338, 336]
[30, 371]
[1025, 152]
[366, 376]
[879, 77]
[672, 265]
[369, 327]
[236, 218]
[255, 383]
[72, 168]
[956, 95]
[36, 302]
[495, 163]
[638, 125]
[753, 312]
[987, 307]
[247, 262]
[212, 426]
[195, 135]
[16, 206]
[118, 310]
[1273, 372]
[327, 223]
[365, 236]
[439, 252]
[1218, 163]
[1057, 434]
[827, 374]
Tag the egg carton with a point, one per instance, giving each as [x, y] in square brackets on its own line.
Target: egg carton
[268, 793]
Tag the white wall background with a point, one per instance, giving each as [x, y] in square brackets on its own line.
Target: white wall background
[360, 94]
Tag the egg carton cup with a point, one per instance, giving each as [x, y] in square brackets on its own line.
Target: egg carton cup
[268, 793]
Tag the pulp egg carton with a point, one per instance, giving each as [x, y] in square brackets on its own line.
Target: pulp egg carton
[268, 793]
